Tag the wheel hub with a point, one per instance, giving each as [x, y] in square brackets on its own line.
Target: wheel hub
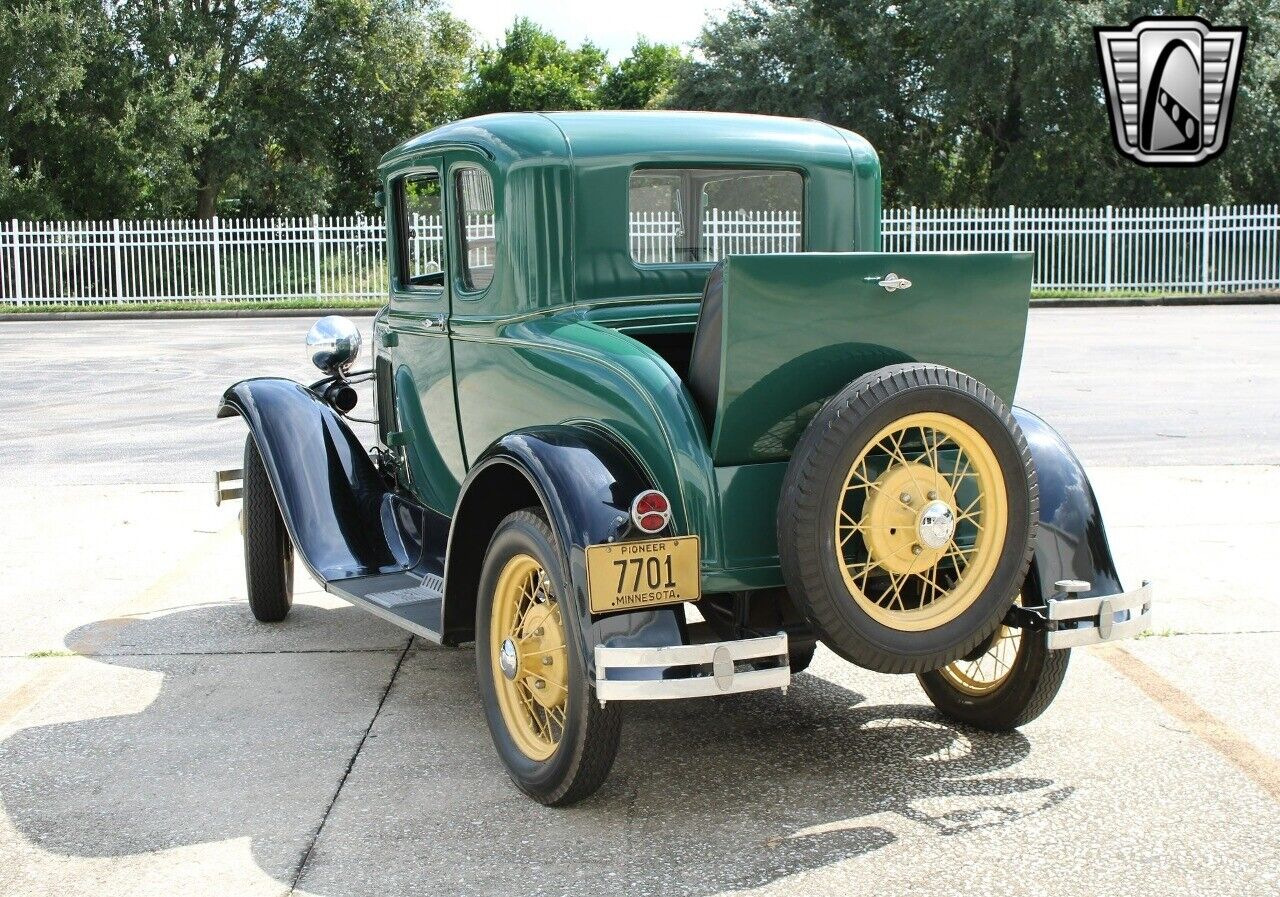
[508, 659]
[936, 525]
[908, 518]
[543, 642]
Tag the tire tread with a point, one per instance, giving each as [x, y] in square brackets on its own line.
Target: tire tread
[268, 577]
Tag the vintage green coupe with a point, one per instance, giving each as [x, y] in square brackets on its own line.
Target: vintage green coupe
[655, 415]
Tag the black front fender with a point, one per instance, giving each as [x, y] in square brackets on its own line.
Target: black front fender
[341, 516]
[585, 481]
[1071, 542]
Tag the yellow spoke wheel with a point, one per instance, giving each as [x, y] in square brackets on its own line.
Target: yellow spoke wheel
[988, 671]
[920, 521]
[907, 518]
[1005, 683]
[528, 658]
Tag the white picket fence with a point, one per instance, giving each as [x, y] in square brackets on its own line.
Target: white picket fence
[1209, 248]
[658, 237]
[1174, 249]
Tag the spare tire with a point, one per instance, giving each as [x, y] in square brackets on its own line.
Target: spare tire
[907, 518]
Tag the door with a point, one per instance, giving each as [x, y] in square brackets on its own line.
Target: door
[418, 323]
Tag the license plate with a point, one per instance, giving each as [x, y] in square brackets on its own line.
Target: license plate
[633, 575]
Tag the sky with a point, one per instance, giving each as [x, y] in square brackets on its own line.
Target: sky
[609, 24]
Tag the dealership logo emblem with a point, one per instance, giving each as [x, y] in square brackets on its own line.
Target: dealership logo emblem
[1170, 83]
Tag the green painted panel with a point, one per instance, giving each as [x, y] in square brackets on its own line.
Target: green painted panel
[562, 369]
[797, 328]
[749, 512]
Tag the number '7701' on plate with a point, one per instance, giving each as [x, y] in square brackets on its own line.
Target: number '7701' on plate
[626, 575]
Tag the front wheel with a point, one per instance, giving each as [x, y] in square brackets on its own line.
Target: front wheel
[557, 742]
[268, 551]
[1005, 683]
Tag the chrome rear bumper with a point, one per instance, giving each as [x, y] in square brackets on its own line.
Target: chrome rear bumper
[1095, 619]
[692, 671]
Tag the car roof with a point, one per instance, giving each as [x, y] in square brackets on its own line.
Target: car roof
[638, 134]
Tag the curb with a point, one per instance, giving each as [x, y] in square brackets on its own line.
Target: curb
[180, 315]
[1256, 297]
[1259, 297]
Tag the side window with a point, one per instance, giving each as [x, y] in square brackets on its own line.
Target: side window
[658, 220]
[703, 214]
[474, 202]
[421, 225]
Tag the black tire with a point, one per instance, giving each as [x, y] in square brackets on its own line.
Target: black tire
[813, 487]
[1025, 693]
[588, 743]
[268, 552]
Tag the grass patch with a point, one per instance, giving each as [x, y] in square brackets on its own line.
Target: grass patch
[275, 304]
[35, 655]
[1100, 294]
[1151, 633]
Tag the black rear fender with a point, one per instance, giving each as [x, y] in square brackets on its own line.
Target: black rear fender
[584, 480]
[1071, 541]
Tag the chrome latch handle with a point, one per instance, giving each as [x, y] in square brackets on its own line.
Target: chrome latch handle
[890, 282]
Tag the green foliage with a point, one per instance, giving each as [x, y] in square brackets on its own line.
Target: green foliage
[642, 80]
[532, 70]
[283, 107]
[981, 102]
[232, 106]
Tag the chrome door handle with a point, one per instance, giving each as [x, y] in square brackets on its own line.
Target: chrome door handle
[433, 322]
[890, 282]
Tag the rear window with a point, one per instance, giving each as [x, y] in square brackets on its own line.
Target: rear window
[683, 215]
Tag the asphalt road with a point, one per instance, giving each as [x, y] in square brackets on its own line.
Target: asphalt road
[133, 402]
[155, 740]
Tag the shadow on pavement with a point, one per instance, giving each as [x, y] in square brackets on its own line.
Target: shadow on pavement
[706, 796]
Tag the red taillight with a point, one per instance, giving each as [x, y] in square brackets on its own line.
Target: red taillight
[651, 511]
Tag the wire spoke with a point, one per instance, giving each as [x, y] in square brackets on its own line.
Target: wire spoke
[954, 480]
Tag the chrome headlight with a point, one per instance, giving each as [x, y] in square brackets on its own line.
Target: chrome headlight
[333, 344]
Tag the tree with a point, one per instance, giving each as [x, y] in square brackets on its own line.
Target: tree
[643, 79]
[263, 106]
[532, 70]
[981, 102]
[357, 78]
[63, 96]
[288, 88]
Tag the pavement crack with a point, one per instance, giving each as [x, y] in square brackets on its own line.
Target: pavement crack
[315, 836]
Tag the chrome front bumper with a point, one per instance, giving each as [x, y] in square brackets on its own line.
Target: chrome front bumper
[1075, 622]
[692, 671]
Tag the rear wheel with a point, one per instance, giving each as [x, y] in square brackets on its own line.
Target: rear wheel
[556, 741]
[1005, 683]
[906, 518]
[268, 552]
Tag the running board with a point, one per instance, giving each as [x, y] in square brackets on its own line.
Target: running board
[408, 600]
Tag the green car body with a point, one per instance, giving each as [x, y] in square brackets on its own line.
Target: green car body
[557, 336]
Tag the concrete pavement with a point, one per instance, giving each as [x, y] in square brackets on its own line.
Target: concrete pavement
[155, 740]
[133, 401]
